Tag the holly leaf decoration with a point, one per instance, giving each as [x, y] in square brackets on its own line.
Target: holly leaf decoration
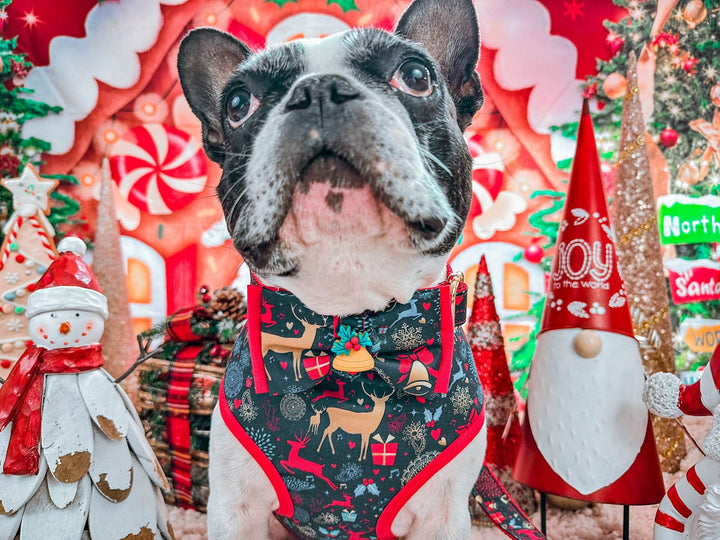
[345, 5]
[280, 3]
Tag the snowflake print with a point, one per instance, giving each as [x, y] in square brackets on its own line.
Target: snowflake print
[247, 411]
[263, 440]
[350, 471]
[15, 325]
[12, 278]
[396, 424]
[407, 338]
[415, 434]
[326, 518]
[461, 401]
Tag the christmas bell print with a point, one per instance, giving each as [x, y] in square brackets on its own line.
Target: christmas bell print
[351, 351]
[419, 380]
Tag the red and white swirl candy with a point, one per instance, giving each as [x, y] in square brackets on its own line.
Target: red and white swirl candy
[159, 169]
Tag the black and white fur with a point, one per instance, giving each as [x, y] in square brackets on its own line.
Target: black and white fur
[346, 180]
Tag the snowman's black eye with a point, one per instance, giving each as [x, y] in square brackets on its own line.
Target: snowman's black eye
[53, 315]
[77, 314]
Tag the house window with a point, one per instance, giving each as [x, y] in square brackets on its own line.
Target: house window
[146, 283]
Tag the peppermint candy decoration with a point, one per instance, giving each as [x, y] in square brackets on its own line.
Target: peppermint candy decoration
[159, 169]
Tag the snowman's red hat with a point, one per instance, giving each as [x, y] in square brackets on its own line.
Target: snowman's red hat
[68, 284]
[586, 290]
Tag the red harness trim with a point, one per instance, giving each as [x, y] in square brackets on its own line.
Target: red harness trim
[286, 505]
[254, 306]
[446, 456]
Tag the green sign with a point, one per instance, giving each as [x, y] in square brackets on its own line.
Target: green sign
[689, 220]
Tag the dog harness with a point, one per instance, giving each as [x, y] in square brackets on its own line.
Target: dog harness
[344, 449]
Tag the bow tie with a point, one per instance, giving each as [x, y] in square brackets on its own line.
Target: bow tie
[410, 346]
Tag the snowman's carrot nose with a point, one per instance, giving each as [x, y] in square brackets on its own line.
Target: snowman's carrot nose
[65, 328]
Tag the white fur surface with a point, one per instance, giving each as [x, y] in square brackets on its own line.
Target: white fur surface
[587, 414]
[242, 498]
[372, 242]
[661, 394]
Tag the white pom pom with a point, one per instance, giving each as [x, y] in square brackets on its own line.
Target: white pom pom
[72, 244]
[661, 394]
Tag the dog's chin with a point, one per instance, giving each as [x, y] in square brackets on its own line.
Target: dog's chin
[333, 204]
[349, 251]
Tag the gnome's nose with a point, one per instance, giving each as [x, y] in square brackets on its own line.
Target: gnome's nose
[65, 328]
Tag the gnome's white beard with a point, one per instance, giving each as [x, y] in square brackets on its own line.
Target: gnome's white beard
[587, 415]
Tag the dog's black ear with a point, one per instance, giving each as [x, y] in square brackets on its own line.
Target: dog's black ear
[206, 61]
[448, 29]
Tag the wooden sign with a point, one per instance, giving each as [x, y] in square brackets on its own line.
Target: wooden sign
[701, 335]
[693, 281]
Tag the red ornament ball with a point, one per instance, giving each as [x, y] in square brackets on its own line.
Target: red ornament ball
[533, 253]
[668, 138]
[206, 298]
[615, 45]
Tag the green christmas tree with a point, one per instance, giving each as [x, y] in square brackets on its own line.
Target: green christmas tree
[686, 116]
[16, 108]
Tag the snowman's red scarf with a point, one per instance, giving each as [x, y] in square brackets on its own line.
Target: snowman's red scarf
[21, 399]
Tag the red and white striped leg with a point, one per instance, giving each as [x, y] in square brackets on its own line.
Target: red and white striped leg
[677, 515]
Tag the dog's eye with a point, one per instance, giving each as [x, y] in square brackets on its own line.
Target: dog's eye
[413, 77]
[240, 106]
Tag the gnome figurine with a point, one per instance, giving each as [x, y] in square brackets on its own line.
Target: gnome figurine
[74, 461]
[587, 434]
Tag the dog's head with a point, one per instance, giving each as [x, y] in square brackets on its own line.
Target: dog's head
[345, 175]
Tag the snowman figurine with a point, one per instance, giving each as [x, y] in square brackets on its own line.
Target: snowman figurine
[74, 461]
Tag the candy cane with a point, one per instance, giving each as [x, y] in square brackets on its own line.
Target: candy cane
[690, 506]
[45, 239]
[9, 240]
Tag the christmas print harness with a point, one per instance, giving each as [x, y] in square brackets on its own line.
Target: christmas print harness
[350, 416]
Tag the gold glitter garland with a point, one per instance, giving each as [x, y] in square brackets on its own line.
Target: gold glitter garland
[630, 148]
[647, 324]
[627, 238]
[631, 92]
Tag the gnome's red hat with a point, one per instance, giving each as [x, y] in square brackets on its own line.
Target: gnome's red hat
[68, 284]
[586, 290]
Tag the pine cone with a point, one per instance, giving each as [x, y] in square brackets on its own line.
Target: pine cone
[227, 302]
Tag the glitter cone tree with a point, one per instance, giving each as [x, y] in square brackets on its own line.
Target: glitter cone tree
[119, 344]
[640, 260]
[488, 347]
[26, 252]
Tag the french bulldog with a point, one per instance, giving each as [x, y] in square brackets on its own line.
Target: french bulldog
[346, 182]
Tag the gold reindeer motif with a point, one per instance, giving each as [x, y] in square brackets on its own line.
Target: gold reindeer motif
[352, 422]
[295, 345]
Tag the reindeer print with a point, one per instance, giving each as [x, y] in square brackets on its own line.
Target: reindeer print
[295, 345]
[339, 444]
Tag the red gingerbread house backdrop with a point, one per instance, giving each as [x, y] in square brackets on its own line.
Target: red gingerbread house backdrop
[111, 66]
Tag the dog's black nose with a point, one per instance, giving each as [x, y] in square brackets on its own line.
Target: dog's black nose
[321, 90]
